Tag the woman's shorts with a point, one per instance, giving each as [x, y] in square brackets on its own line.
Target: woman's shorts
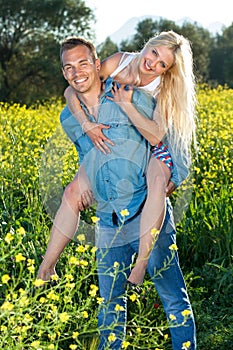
[161, 152]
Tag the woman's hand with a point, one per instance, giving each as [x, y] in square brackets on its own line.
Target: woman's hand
[99, 140]
[122, 93]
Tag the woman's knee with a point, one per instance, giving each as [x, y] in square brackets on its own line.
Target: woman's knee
[72, 190]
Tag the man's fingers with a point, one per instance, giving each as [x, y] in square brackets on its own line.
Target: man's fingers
[87, 198]
[81, 206]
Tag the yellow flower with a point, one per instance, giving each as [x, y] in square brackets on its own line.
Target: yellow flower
[185, 313]
[119, 308]
[125, 344]
[38, 282]
[112, 337]
[7, 306]
[95, 219]
[133, 297]
[124, 212]
[42, 300]
[85, 314]
[93, 290]
[73, 346]
[9, 237]
[75, 335]
[81, 237]
[69, 277]
[54, 277]
[30, 262]
[80, 249]
[138, 330]
[186, 345]
[5, 278]
[31, 268]
[19, 257]
[64, 317]
[21, 231]
[51, 346]
[52, 295]
[83, 263]
[100, 300]
[173, 247]
[172, 317]
[154, 232]
[70, 285]
[116, 264]
[24, 301]
[73, 260]
[3, 328]
[35, 344]
[93, 250]
[27, 318]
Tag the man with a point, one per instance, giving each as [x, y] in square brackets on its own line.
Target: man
[118, 182]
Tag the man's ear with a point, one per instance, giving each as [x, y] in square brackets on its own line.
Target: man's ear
[64, 75]
[98, 64]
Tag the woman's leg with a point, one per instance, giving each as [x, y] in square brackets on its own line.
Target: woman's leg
[65, 224]
[152, 217]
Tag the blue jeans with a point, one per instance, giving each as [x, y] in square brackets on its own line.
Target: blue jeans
[114, 268]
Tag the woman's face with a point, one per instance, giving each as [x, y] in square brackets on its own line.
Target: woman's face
[156, 60]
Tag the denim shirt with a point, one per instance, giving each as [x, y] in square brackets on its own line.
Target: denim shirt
[118, 179]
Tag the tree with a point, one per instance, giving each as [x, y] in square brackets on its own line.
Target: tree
[201, 43]
[30, 32]
[221, 58]
[107, 48]
[145, 30]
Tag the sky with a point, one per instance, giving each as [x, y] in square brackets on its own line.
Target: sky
[111, 15]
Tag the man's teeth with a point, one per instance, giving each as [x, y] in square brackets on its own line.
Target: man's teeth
[80, 80]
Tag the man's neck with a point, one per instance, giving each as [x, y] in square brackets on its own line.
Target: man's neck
[91, 99]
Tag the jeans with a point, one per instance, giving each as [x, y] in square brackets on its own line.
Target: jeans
[114, 267]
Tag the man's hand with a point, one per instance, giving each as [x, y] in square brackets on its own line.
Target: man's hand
[99, 140]
[86, 200]
[170, 188]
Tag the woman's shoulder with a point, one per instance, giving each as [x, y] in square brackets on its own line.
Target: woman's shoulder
[110, 64]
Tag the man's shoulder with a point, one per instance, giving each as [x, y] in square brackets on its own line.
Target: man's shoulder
[65, 114]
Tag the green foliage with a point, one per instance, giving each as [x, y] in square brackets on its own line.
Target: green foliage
[106, 49]
[29, 45]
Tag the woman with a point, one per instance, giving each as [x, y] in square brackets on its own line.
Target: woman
[164, 68]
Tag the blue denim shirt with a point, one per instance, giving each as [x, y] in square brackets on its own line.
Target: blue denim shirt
[118, 179]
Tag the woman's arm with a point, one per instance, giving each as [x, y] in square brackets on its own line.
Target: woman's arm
[152, 130]
[109, 64]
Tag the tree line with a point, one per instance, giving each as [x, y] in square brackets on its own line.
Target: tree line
[31, 32]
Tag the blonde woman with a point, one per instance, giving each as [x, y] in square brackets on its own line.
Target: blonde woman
[164, 68]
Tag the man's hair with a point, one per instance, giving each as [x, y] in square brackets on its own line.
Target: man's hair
[71, 42]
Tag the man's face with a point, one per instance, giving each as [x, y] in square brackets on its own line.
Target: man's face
[79, 69]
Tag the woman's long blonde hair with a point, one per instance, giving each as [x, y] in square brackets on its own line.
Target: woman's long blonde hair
[176, 95]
